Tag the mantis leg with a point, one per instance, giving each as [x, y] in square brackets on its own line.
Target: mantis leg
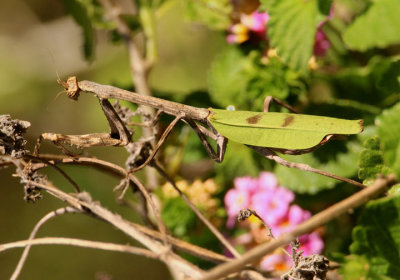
[164, 136]
[215, 135]
[268, 153]
[269, 99]
[117, 126]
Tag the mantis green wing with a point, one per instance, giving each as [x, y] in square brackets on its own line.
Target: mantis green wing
[280, 130]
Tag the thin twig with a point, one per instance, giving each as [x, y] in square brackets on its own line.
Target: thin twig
[302, 166]
[150, 201]
[80, 243]
[185, 246]
[176, 263]
[43, 220]
[62, 172]
[200, 215]
[246, 213]
[379, 186]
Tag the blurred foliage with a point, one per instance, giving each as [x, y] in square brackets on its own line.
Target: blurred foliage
[376, 242]
[291, 30]
[377, 27]
[371, 162]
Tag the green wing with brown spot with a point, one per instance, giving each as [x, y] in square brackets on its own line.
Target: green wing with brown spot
[280, 130]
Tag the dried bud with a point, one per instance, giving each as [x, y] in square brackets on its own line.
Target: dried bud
[11, 136]
[244, 214]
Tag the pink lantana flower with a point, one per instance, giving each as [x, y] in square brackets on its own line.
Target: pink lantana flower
[246, 184]
[321, 44]
[267, 181]
[278, 261]
[311, 244]
[254, 23]
[293, 217]
[235, 200]
[273, 203]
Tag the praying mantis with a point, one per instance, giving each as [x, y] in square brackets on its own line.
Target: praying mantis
[265, 132]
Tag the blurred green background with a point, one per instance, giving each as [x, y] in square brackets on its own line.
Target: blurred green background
[37, 40]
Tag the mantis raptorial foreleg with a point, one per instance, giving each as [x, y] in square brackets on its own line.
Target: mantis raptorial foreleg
[164, 136]
[215, 135]
[269, 99]
[118, 136]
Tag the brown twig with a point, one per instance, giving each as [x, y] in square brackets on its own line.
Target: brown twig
[80, 243]
[83, 203]
[302, 166]
[315, 221]
[185, 246]
[24, 255]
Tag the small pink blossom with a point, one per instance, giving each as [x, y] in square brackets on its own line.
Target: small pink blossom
[256, 21]
[321, 44]
[311, 244]
[294, 216]
[235, 200]
[267, 181]
[276, 262]
[246, 184]
[273, 205]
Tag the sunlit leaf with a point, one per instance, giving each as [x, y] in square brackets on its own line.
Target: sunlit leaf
[378, 27]
[291, 29]
[213, 13]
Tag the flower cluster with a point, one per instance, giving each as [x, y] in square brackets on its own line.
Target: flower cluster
[273, 204]
[200, 193]
[254, 26]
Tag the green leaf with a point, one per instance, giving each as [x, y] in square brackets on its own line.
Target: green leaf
[390, 78]
[228, 77]
[377, 238]
[370, 160]
[356, 267]
[394, 190]
[239, 161]
[213, 13]
[280, 130]
[80, 15]
[340, 163]
[389, 133]
[177, 216]
[378, 27]
[243, 80]
[291, 29]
